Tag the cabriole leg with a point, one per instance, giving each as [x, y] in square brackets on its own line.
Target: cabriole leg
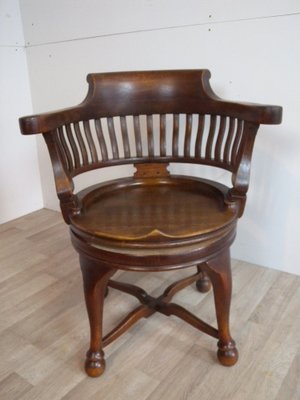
[95, 278]
[219, 271]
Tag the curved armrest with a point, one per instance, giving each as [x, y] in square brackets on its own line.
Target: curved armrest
[46, 122]
[251, 112]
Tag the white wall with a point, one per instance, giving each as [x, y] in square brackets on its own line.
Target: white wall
[20, 187]
[252, 50]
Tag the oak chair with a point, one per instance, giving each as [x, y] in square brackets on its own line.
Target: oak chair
[153, 221]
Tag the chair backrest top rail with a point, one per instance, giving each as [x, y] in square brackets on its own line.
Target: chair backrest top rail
[150, 92]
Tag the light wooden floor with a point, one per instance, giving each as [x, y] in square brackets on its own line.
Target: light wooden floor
[44, 330]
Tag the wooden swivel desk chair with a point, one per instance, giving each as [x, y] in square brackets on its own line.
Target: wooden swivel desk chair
[153, 221]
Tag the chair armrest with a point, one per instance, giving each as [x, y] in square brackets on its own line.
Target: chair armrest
[69, 203]
[252, 112]
[46, 122]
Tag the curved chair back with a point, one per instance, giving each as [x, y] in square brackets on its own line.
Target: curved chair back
[151, 117]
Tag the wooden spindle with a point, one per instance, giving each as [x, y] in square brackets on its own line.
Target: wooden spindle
[137, 135]
[237, 139]
[175, 134]
[187, 135]
[113, 139]
[199, 138]
[162, 135]
[61, 149]
[65, 148]
[90, 141]
[84, 155]
[220, 139]
[101, 140]
[150, 138]
[125, 138]
[211, 135]
[228, 143]
[73, 145]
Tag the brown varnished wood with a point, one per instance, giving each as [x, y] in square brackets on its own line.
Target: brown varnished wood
[154, 220]
[230, 136]
[101, 141]
[94, 282]
[75, 150]
[187, 136]
[150, 138]
[220, 139]
[171, 290]
[150, 92]
[203, 284]
[162, 126]
[219, 271]
[200, 130]
[66, 157]
[137, 134]
[151, 170]
[43, 329]
[132, 318]
[90, 141]
[154, 255]
[147, 208]
[237, 139]
[211, 135]
[150, 305]
[112, 136]
[215, 154]
[83, 149]
[125, 137]
[175, 134]
[63, 182]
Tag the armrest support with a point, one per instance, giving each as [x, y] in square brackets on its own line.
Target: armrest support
[241, 174]
[64, 184]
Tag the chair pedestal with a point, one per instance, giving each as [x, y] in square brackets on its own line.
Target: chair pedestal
[96, 278]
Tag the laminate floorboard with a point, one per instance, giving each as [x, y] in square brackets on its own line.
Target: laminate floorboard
[44, 330]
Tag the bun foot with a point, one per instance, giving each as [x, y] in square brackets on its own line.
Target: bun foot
[203, 284]
[94, 364]
[227, 353]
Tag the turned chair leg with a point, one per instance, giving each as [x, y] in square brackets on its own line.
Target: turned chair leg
[95, 278]
[219, 271]
[203, 284]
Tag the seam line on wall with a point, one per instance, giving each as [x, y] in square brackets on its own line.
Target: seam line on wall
[12, 45]
[210, 23]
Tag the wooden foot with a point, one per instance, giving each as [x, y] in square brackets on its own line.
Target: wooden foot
[227, 353]
[203, 284]
[95, 278]
[219, 271]
[94, 364]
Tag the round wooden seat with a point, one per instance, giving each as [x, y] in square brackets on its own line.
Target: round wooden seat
[158, 217]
